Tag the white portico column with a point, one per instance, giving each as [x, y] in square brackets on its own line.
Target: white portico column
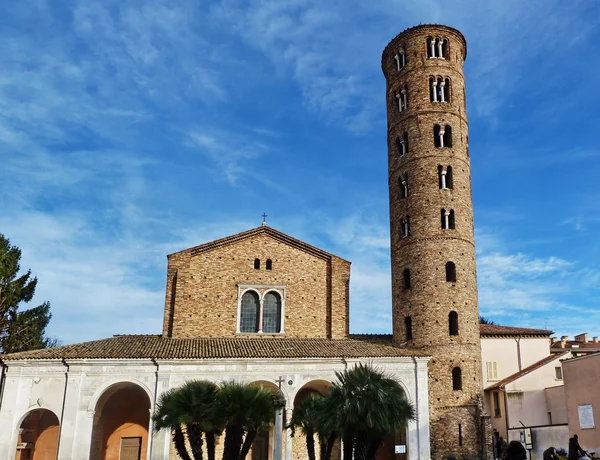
[76, 422]
[288, 435]
[418, 429]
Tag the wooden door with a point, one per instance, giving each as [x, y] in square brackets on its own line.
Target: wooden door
[130, 448]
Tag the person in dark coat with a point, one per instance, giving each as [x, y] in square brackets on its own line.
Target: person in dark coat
[550, 454]
[500, 446]
[516, 451]
[575, 450]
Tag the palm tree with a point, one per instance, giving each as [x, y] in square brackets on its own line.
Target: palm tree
[370, 406]
[246, 410]
[168, 415]
[194, 407]
[304, 417]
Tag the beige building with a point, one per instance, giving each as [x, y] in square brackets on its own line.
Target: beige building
[523, 386]
[582, 390]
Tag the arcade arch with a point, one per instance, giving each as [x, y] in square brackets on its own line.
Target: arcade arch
[38, 436]
[121, 423]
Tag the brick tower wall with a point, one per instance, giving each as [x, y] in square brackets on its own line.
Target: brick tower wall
[428, 302]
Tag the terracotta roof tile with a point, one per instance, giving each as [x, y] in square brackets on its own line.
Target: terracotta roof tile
[156, 346]
[494, 329]
[574, 345]
[527, 370]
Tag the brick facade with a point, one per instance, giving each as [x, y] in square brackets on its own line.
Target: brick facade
[203, 286]
[458, 424]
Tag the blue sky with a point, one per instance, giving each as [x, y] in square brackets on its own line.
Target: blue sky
[133, 129]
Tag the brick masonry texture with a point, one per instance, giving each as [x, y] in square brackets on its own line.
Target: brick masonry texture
[202, 286]
[430, 298]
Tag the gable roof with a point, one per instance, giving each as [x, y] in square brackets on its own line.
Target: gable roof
[491, 330]
[160, 347]
[262, 230]
[517, 375]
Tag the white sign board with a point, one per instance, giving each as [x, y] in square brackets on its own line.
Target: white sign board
[586, 416]
[400, 449]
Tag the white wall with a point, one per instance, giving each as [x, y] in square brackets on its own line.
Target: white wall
[71, 389]
[526, 396]
[504, 351]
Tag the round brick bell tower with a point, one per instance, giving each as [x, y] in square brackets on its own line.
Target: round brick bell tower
[434, 288]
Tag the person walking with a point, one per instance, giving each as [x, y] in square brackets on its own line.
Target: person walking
[575, 450]
[500, 447]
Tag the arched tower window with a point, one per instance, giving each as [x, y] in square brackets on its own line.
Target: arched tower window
[445, 176]
[249, 313]
[271, 313]
[400, 59]
[438, 136]
[256, 264]
[402, 144]
[433, 89]
[446, 90]
[405, 227]
[450, 272]
[444, 49]
[269, 264]
[453, 323]
[402, 97]
[447, 136]
[449, 181]
[406, 276]
[403, 183]
[430, 47]
[456, 379]
[447, 217]
[408, 328]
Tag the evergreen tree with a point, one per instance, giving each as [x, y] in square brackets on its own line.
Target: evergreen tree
[19, 330]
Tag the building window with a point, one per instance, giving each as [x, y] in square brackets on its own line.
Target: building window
[450, 272]
[269, 264]
[439, 89]
[447, 219]
[445, 177]
[402, 144]
[406, 276]
[271, 312]
[442, 136]
[447, 138]
[492, 371]
[460, 436]
[261, 309]
[256, 264]
[405, 227]
[456, 379]
[400, 59]
[408, 328]
[453, 323]
[496, 396]
[249, 312]
[558, 373]
[438, 136]
[402, 99]
[403, 182]
[437, 48]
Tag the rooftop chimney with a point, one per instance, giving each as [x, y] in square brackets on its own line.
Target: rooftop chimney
[553, 340]
[581, 338]
[595, 339]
